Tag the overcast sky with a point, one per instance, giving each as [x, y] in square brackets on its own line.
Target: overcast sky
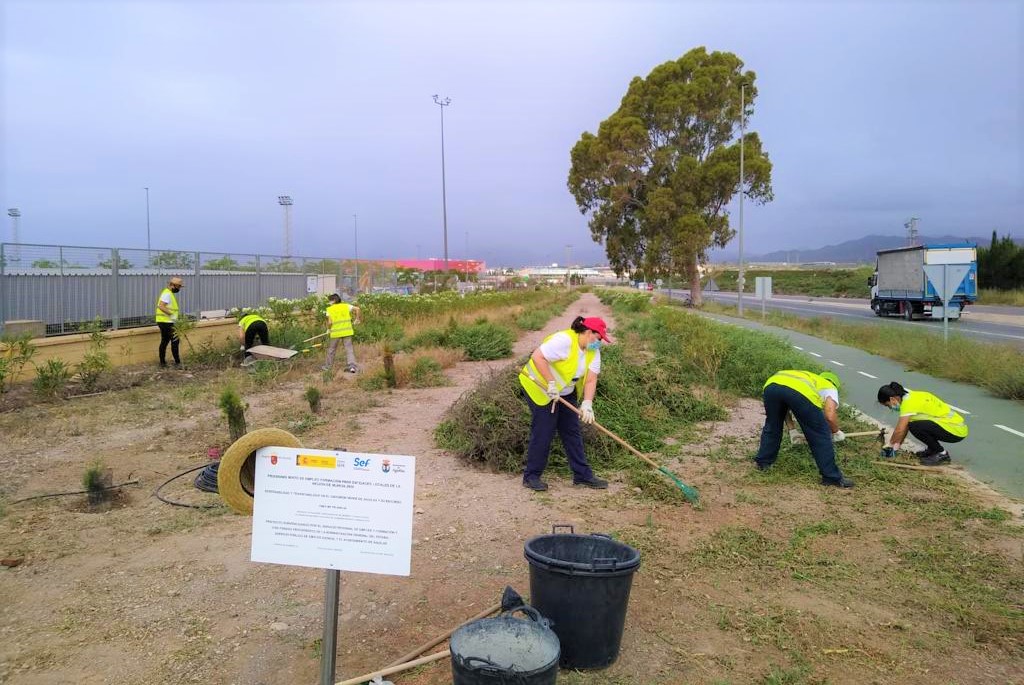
[871, 113]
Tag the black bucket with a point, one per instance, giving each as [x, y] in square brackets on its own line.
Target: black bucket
[581, 583]
[505, 650]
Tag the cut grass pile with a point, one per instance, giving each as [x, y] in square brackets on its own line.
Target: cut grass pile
[997, 368]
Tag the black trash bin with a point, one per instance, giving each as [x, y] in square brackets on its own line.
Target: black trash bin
[581, 584]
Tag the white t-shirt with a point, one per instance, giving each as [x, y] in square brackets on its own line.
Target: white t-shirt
[165, 298]
[829, 394]
[558, 347]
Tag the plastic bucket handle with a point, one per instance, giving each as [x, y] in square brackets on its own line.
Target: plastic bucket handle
[532, 613]
[488, 667]
[554, 529]
[605, 563]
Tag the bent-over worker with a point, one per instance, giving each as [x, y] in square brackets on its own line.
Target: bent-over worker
[814, 400]
[250, 327]
[340, 317]
[924, 416]
[566, 365]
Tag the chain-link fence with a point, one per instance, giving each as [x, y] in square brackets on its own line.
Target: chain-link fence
[67, 287]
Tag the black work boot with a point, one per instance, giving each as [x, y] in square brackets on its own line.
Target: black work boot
[936, 459]
[535, 483]
[843, 482]
[592, 482]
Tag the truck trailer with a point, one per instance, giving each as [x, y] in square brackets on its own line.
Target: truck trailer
[899, 286]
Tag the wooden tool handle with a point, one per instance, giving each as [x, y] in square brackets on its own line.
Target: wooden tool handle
[395, 669]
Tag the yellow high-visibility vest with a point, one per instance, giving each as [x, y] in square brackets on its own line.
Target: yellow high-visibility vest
[341, 320]
[248, 320]
[924, 406]
[804, 382]
[564, 371]
[173, 306]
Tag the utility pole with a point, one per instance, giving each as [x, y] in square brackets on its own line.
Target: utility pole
[286, 202]
[148, 246]
[911, 227]
[355, 230]
[442, 103]
[568, 273]
[467, 256]
[743, 187]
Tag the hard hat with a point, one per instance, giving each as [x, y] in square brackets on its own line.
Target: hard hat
[831, 378]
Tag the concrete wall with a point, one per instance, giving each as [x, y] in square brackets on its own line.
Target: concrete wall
[125, 347]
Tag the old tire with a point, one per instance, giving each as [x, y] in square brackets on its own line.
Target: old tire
[237, 474]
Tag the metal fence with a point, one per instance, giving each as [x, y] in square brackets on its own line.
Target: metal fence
[68, 287]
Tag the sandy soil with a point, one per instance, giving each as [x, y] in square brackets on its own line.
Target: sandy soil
[148, 593]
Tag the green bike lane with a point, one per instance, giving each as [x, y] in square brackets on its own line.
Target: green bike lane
[994, 450]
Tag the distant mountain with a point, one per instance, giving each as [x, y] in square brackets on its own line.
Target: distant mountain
[860, 250]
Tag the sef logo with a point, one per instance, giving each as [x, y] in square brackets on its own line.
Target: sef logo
[361, 462]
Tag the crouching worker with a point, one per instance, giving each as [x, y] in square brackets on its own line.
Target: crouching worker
[565, 365]
[927, 418]
[814, 400]
[251, 327]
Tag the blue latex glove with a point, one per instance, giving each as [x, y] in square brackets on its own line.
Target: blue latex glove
[888, 453]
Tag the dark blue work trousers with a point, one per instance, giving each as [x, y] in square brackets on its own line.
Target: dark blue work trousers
[778, 399]
[542, 431]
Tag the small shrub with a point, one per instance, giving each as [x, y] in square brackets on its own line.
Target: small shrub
[233, 408]
[533, 320]
[264, 372]
[17, 351]
[483, 341]
[51, 378]
[379, 330]
[430, 337]
[96, 360]
[426, 373]
[312, 396]
[95, 481]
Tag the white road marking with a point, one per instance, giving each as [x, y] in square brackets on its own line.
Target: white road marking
[1009, 430]
[837, 363]
[867, 375]
[798, 347]
[962, 411]
[815, 354]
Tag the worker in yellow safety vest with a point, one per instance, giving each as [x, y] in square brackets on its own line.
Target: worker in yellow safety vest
[340, 317]
[251, 327]
[167, 311]
[566, 365]
[924, 416]
[813, 399]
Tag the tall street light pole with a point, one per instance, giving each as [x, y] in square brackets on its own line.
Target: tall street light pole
[148, 247]
[355, 230]
[743, 186]
[286, 202]
[442, 103]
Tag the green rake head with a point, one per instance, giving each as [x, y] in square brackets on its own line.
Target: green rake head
[691, 494]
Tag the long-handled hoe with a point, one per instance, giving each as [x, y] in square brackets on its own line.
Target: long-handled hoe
[691, 494]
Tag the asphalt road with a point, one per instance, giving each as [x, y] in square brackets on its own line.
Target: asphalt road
[859, 311]
[994, 450]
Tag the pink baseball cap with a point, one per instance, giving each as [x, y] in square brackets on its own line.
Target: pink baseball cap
[598, 326]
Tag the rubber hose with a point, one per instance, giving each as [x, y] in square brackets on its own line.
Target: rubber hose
[207, 478]
[237, 473]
